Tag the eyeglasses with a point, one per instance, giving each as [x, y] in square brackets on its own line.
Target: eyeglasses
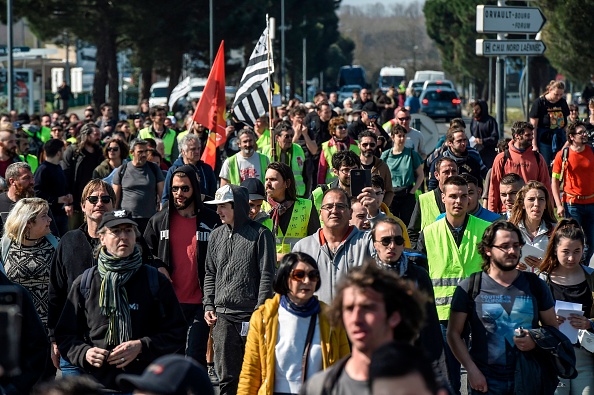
[370, 145]
[337, 206]
[184, 188]
[342, 127]
[112, 149]
[507, 248]
[404, 119]
[299, 275]
[345, 171]
[386, 241]
[379, 192]
[95, 199]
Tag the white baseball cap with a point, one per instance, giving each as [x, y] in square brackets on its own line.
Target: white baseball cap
[223, 195]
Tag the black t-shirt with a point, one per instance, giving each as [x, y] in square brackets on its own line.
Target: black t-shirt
[498, 311]
[550, 115]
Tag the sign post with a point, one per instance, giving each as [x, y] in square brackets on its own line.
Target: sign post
[510, 47]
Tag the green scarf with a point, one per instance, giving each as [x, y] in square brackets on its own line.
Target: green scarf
[113, 299]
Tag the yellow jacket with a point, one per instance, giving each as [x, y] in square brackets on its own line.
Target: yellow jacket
[257, 372]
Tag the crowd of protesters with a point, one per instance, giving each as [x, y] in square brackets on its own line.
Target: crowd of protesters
[274, 272]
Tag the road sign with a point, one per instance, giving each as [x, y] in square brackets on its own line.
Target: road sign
[4, 50]
[493, 19]
[509, 47]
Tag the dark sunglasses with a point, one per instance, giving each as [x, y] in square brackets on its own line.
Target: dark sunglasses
[372, 117]
[341, 127]
[386, 241]
[112, 149]
[184, 188]
[95, 199]
[299, 275]
[370, 145]
[404, 119]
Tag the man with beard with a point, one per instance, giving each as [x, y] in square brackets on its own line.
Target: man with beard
[506, 299]
[184, 216]
[518, 158]
[450, 245]
[485, 131]
[467, 159]
[369, 121]
[247, 163]
[367, 145]
[8, 146]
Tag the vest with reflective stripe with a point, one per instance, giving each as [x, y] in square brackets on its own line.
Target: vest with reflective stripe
[450, 264]
[429, 208]
[328, 151]
[168, 140]
[297, 228]
[297, 157]
[234, 177]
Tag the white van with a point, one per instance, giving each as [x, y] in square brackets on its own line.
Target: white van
[158, 96]
[429, 75]
[197, 85]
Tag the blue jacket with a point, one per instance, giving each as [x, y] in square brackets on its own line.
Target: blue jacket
[471, 163]
[208, 181]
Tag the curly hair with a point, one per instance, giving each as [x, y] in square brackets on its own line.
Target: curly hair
[489, 238]
[399, 296]
[334, 122]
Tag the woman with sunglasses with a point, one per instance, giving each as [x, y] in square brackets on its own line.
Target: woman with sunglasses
[572, 282]
[339, 141]
[533, 214]
[290, 338]
[406, 169]
[115, 152]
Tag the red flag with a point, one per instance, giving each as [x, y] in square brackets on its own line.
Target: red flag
[210, 111]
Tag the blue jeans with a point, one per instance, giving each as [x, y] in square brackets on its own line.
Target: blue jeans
[452, 363]
[69, 369]
[584, 215]
[498, 387]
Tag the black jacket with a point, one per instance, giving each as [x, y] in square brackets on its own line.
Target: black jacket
[158, 322]
[34, 347]
[485, 128]
[157, 231]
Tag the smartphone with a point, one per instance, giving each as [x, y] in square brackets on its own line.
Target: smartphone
[360, 178]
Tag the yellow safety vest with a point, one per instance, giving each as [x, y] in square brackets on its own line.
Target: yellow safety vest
[297, 160]
[328, 151]
[297, 228]
[450, 264]
[235, 178]
[168, 140]
[429, 208]
[31, 160]
[263, 141]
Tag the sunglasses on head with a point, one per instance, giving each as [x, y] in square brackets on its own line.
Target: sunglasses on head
[184, 188]
[299, 275]
[95, 199]
[386, 241]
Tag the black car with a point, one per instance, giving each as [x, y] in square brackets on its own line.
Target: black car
[441, 103]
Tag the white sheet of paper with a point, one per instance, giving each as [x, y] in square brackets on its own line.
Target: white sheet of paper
[564, 309]
[532, 251]
[472, 141]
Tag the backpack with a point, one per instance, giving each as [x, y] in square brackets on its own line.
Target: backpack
[507, 156]
[87, 278]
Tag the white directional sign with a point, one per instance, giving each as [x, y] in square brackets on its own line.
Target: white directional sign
[493, 19]
[509, 47]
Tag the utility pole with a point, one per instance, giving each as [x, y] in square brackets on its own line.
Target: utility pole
[10, 76]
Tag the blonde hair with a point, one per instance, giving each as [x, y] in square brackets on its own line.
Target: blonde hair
[22, 214]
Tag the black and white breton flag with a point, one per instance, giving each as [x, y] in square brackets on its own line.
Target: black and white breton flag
[251, 99]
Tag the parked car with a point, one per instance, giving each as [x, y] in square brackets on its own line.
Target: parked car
[441, 103]
[439, 84]
[158, 94]
[346, 91]
[417, 86]
[197, 85]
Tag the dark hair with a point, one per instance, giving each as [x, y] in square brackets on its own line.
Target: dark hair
[338, 190]
[502, 144]
[439, 161]
[573, 107]
[399, 296]
[518, 212]
[321, 104]
[454, 180]
[287, 174]
[567, 228]
[68, 385]
[398, 129]
[518, 127]
[470, 179]
[571, 129]
[367, 133]
[52, 147]
[345, 158]
[283, 126]
[104, 105]
[458, 122]
[511, 178]
[489, 238]
[398, 359]
[124, 150]
[385, 220]
[297, 111]
[378, 182]
[452, 131]
[280, 285]
[153, 111]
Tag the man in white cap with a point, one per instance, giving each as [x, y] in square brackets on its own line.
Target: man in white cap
[240, 263]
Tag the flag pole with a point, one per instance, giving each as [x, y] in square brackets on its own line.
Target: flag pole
[270, 87]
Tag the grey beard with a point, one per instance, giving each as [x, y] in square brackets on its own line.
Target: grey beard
[247, 151]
